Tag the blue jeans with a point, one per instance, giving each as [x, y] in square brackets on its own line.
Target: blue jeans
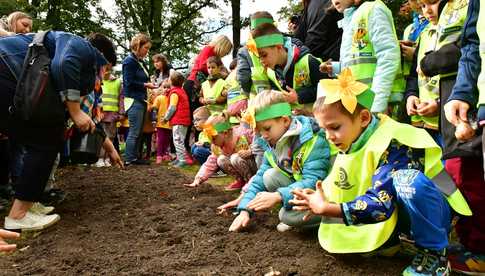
[200, 153]
[136, 115]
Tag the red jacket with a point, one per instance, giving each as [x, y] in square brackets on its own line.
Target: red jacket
[182, 114]
[200, 63]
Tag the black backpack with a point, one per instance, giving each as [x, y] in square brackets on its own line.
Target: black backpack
[36, 101]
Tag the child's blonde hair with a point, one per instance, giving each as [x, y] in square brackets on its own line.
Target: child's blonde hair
[13, 18]
[265, 99]
[218, 118]
[177, 79]
[138, 41]
[203, 111]
[222, 45]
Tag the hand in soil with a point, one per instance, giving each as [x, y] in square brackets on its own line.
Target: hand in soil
[241, 221]
[193, 184]
[4, 246]
[231, 204]
[308, 199]
[264, 201]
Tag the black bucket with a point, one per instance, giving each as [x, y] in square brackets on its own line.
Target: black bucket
[85, 146]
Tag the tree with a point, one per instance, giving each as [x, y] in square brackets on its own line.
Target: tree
[293, 7]
[236, 25]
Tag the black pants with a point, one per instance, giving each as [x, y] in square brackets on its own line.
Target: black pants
[190, 89]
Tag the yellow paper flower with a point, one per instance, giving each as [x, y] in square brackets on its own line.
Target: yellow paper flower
[248, 117]
[209, 130]
[251, 45]
[345, 89]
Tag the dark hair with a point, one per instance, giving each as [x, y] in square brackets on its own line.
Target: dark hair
[215, 59]
[261, 14]
[177, 79]
[104, 45]
[233, 64]
[265, 29]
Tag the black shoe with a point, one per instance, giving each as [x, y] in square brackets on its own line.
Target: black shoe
[53, 197]
[137, 162]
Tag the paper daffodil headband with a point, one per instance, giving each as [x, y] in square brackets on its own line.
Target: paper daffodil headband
[347, 90]
[212, 130]
[270, 112]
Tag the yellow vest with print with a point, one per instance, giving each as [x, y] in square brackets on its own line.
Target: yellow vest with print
[481, 35]
[351, 176]
[364, 61]
[258, 77]
[301, 78]
[212, 93]
[448, 30]
[111, 94]
[299, 158]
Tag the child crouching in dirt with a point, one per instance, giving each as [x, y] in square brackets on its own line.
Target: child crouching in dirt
[230, 152]
[296, 156]
[383, 168]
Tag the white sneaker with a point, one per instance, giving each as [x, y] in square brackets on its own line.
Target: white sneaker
[31, 222]
[107, 163]
[100, 163]
[281, 227]
[39, 208]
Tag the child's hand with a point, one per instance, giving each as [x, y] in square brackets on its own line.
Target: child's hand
[264, 201]
[464, 131]
[428, 108]
[326, 67]
[407, 50]
[245, 153]
[241, 221]
[412, 105]
[290, 96]
[309, 200]
[150, 85]
[4, 246]
[194, 184]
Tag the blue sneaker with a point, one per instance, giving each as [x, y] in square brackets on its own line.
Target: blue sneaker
[430, 263]
[180, 164]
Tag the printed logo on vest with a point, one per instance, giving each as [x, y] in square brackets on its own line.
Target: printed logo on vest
[342, 180]
[359, 36]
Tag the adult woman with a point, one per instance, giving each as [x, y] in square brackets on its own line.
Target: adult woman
[136, 80]
[75, 63]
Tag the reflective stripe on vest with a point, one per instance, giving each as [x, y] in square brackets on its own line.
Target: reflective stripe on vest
[364, 62]
[351, 176]
[258, 77]
[481, 35]
[212, 93]
[298, 159]
[111, 94]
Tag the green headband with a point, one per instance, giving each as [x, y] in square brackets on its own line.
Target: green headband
[258, 21]
[273, 111]
[221, 127]
[269, 40]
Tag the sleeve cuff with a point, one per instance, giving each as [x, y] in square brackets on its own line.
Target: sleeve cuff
[285, 197]
[335, 69]
[71, 95]
[346, 217]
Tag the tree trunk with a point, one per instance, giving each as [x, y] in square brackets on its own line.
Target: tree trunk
[236, 25]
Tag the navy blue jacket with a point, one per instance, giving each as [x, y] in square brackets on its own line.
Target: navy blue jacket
[74, 66]
[134, 78]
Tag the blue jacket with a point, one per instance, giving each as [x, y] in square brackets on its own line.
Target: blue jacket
[469, 68]
[134, 78]
[74, 66]
[315, 168]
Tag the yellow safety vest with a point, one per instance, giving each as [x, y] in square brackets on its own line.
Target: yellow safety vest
[234, 93]
[448, 30]
[481, 35]
[258, 77]
[299, 158]
[364, 61]
[111, 94]
[406, 65]
[212, 93]
[351, 176]
[301, 78]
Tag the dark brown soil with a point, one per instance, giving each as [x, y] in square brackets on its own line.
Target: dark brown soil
[142, 221]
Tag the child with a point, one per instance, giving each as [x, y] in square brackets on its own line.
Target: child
[164, 133]
[290, 68]
[201, 149]
[371, 49]
[237, 100]
[383, 167]
[230, 152]
[213, 93]
[178, 114]
[162, 69]
[296, 156]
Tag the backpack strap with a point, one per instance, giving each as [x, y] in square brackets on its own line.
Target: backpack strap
[39, 38]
